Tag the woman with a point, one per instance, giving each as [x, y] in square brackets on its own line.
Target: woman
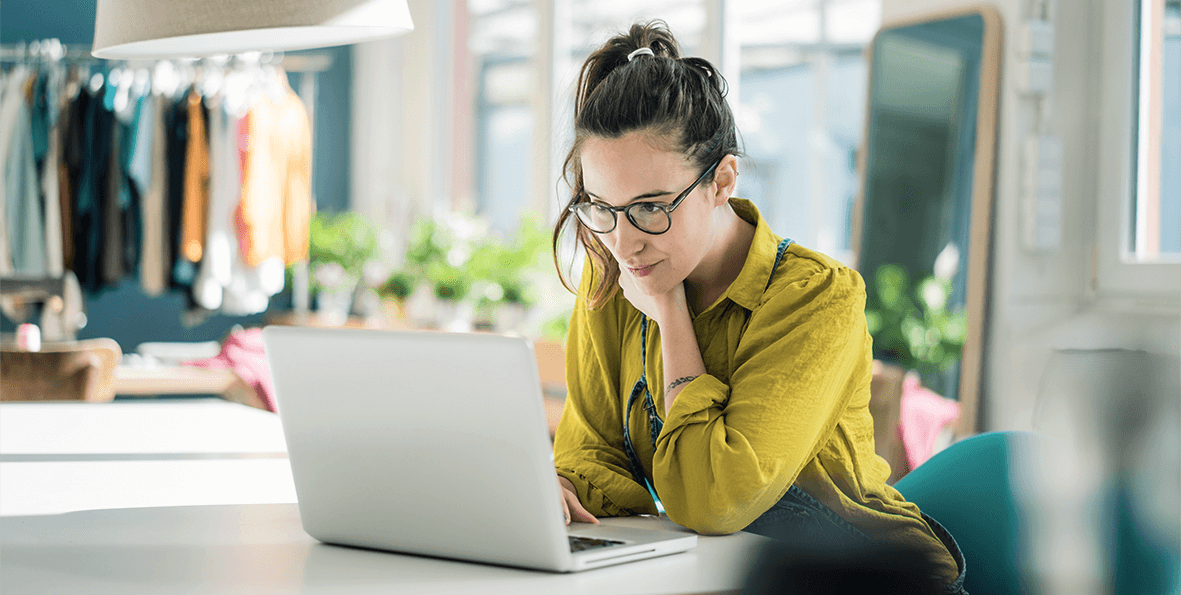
[739, 360]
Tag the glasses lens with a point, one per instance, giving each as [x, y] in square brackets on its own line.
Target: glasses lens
[594, 217]
[649, 217]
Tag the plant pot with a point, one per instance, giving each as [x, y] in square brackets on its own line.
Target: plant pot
[421, 308]
[394, 311]
[456, 317]
[510, 319]
[333, 305]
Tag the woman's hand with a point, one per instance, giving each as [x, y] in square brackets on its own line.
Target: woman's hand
[657, 307]
[570, 504]
[678, 339]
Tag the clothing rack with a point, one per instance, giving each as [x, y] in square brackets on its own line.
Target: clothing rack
[50, 49]
[306, 64]
[54, 50]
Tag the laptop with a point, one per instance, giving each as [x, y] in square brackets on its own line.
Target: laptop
[433, 444]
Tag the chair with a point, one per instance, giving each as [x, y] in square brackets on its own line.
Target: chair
[968, 488]
[74, 370]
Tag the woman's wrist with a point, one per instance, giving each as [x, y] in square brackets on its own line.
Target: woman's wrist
[678, 382]
[672, 308]
[566, 483]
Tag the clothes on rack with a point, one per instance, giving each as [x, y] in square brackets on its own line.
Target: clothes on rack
[201, 188]
[21, 215]
[277, 172]
[153, 274]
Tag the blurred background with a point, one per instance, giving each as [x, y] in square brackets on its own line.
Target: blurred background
[160, 212]
[470, 115]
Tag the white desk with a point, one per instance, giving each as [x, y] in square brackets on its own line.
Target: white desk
[197, 497]
[137, 429]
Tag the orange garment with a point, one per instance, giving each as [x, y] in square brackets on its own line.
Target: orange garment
[195, 209]
[274, 215]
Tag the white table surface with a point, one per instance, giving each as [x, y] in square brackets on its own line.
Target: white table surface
[197, 497]
[132, 429]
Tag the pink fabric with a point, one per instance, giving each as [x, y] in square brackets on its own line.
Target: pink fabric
[924, 413]
[243, 353]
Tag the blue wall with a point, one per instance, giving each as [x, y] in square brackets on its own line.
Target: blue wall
[125, 313]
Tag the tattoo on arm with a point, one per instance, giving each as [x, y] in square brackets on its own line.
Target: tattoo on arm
[678, 382]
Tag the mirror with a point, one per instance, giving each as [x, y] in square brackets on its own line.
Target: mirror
[926, 189]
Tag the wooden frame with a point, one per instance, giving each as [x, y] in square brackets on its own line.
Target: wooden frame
[983, 177]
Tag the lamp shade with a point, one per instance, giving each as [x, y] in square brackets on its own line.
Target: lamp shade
[145, 29]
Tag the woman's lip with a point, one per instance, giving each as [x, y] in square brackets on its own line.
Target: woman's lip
[642, 271]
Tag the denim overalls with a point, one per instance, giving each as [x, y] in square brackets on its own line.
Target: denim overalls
[797, 514]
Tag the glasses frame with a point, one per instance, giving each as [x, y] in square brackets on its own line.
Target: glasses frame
[626, 209]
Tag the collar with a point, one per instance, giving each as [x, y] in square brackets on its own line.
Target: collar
[747, 289]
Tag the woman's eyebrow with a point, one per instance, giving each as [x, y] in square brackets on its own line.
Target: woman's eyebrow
[653, 194]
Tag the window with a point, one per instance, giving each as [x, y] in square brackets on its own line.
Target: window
[1155, 232]
[798, 94]
[1137, 267]
[801, 112]
[503, 46]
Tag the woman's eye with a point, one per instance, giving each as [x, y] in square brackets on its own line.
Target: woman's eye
[649, 208]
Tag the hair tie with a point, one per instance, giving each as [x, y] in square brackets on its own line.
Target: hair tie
[640, 52]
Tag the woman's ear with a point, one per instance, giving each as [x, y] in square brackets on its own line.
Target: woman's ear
[726, 178]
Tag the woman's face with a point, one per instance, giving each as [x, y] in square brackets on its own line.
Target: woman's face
[631, 168]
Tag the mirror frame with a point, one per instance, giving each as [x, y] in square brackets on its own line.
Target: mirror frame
[983, 186]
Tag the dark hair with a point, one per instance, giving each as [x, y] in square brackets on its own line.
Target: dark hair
[682, 101]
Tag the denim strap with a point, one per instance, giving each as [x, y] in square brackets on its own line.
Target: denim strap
[655, 424]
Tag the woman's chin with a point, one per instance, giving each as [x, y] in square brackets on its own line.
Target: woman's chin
[652, 285]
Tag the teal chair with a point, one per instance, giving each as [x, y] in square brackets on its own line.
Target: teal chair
[967, 488]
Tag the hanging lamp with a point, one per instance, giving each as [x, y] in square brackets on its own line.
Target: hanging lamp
[149, 29]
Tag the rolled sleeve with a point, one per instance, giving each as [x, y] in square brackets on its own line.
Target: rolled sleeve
[694, 402]
[728, 452]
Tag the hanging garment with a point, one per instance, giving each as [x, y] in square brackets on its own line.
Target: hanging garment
[93, 163]
[275, 213]
[10, 106]
[65, 194]
[50, 189]
[225, 282]
[180, 270]
[153, 265]
[196, 201]
[47, 154]
[224, 187]
[39, 123]
[135, 160]
[112, 246]
[73, 113]
[251, 288]
[25, 232]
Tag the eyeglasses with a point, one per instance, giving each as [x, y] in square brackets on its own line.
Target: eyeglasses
[649, 217]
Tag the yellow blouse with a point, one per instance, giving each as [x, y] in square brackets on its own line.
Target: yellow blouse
[785, 400]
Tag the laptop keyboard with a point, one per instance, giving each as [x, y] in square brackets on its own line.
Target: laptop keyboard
[580, 544]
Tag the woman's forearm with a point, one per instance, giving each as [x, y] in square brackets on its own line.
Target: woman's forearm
[682, 356]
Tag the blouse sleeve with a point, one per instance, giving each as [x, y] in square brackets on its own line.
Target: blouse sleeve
[588, 445]
[727, 453]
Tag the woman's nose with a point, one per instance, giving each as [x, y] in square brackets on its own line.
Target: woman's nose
[626, 239]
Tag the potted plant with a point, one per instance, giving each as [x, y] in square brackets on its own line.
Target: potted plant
[340, 245]
[440, 251]
[913, 327]
[396, 290]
